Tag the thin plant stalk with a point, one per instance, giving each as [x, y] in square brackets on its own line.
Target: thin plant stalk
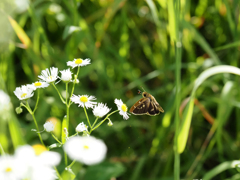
[56, 138]
[75, 78]
[103, 121]
[58, 175]
[58, 93]
[35, 121]
[178, 91]
[87, 116]
[67, 105]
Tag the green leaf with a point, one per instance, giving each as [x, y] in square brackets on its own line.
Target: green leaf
[104, 171]
[20, 33]
[224, 110]
[187, 115]
[220, 168]
[68, 175]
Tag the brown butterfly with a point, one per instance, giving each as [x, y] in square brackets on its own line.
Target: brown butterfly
[147, 105]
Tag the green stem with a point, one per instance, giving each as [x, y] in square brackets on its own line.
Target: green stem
[56, 138]
[94, 122]
[67, 106]
[87, 116]
[111, 114]
[74, 83]
[58, 93]
[58, 175]
[27, 107]
[35, 121]
[98, 125]
[37, 101]
[73, 135]
[178, 45]
[71, 164]
[65, 158]
[92, 129]
[39, 135]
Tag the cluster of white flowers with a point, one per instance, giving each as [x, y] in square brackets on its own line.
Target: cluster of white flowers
[87, 149]
[49, 76]
[100, 109]
[25, 164]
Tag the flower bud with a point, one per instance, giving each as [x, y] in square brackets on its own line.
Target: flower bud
[18, 110]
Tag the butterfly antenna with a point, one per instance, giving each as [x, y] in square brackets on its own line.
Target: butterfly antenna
[139, 92]
[143, 89]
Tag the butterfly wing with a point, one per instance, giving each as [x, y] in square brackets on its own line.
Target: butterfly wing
[140, 107]
[154, 109]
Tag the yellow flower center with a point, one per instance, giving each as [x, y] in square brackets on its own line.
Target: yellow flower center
[8, 169]
[50, 77]
[39, 149]
[124, 107]
[86, 147]
[37, 84]
[23, 95]
[83, 99]
[78, 61]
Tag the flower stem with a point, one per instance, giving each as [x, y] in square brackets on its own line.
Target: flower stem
[37, 101]
[58, 93]
[74, 83]
[67, 105]
[56, 138]
[103, 120]
[87, 117]
[73, 135]
[65, 158]
[39, 135]
[98, 125]
[35, 121]
[94, 122]
[58, 175]
[72, 164]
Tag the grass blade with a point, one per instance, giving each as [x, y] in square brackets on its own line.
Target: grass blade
[187, 116]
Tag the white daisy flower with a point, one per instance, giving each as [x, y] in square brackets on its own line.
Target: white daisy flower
[81, 127]
[49, 76]
[23, 92]
[122, 108]
[37, 166]
[66, 75]
[87, 150]
[83, 100]
[78, 62]
[5, 103]
[9, 168]
[5, 106]
[38, 84]
[49, 126]
[100, 110]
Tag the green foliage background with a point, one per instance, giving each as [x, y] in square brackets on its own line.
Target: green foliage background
[131, 44]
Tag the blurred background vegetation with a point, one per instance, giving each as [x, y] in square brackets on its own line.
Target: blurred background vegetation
[131, 44]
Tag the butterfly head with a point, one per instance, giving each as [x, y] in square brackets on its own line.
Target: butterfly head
[146, 95]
